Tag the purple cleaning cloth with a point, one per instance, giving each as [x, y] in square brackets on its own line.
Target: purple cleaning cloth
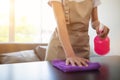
[60, 64]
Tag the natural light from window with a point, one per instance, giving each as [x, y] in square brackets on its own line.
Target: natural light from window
[24, 21]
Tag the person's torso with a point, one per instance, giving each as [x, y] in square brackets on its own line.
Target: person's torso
[77, 11]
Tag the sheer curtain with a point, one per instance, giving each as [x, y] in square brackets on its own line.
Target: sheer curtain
[26, 21]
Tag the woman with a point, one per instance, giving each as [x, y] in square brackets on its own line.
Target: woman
[70, 39]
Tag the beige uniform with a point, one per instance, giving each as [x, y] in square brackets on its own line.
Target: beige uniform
[77, 15]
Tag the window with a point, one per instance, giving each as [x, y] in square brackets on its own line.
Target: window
[4, 20]
[22, 21]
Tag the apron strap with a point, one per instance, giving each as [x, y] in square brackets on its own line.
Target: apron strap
[67, 10]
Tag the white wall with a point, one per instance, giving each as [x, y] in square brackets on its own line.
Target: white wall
[109, 14]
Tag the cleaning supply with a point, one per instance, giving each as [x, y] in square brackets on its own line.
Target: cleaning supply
[61, 65]
[101, 46]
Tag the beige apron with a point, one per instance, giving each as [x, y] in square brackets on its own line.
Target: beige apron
[77, 16]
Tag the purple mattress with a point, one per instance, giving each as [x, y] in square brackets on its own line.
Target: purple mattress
[60, 64]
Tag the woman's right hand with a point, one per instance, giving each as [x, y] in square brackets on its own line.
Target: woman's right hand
[77, 61]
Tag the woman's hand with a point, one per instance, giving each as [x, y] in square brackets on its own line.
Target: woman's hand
[96, 23]
[104, 32]
[77, 61]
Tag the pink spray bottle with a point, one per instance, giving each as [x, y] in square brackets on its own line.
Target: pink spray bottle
[101, 46]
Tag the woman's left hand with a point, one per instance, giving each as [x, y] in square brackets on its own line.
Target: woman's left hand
[104, 32]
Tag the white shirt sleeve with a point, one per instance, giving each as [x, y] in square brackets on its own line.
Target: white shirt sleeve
[96, 3]
[49, 2]
[55, 0]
